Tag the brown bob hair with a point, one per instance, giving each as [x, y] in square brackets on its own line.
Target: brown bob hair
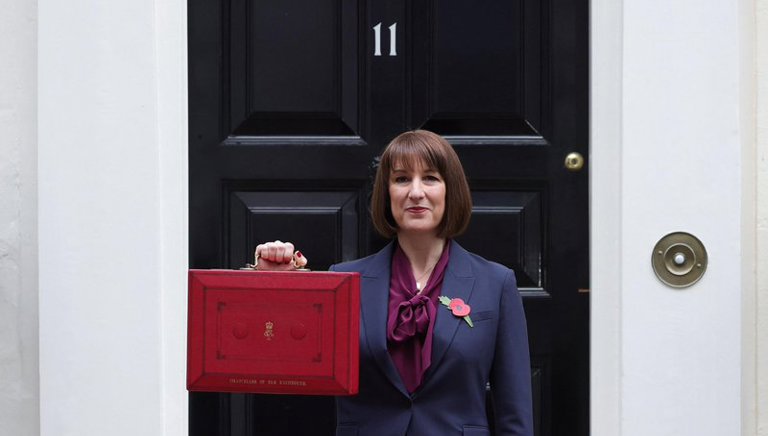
[422, 147]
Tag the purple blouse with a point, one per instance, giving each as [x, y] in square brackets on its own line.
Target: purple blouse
[411, 317]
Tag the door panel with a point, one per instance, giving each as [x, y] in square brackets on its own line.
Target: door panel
[291, 102]
[292, 68]
[507, 227]
[324, 223]
[477, 67]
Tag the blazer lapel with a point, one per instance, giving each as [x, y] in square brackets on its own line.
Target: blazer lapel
[374, 304]
[458, 282]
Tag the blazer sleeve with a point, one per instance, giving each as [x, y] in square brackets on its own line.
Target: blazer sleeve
[511, 372]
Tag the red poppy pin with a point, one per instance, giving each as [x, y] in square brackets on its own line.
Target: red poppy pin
[458, 307]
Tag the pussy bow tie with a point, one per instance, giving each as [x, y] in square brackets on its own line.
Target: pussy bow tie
[412, 318]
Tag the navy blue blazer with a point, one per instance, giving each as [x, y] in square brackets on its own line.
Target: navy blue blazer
[452, 398]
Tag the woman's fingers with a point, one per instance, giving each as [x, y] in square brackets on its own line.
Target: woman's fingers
[275, 250]
[280, 252]
[269, 251]
[275, 253]
[266, 265]
[261, 251]
[288, 253]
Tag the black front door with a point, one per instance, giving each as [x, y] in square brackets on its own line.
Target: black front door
[292, 100]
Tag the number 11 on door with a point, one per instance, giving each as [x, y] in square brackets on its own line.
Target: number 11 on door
[392, 39]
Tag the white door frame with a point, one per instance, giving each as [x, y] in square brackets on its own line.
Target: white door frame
[672, 149]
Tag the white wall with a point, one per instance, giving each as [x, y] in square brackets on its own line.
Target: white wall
[112, 217]
[19, 415]
[672, 131]
[762, 217]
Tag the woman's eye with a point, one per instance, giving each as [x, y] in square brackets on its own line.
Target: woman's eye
[401, 179]
[432, 178]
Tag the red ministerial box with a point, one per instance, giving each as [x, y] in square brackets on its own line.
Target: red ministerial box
[273, 332]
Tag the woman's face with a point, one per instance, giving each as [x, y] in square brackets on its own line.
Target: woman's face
[417, 198]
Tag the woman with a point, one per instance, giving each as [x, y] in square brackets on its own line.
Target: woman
[437, 322]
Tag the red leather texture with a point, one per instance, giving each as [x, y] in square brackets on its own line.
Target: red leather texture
[273, 332]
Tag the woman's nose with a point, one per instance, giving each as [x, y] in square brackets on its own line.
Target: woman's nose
[416, 190]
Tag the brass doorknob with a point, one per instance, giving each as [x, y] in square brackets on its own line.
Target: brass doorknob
[574, 161]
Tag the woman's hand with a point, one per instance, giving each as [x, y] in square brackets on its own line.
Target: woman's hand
[278, 256]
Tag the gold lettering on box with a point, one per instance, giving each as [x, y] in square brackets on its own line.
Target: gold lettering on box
[245, 381]
[250, 381]
[269, 332]
[292, 382]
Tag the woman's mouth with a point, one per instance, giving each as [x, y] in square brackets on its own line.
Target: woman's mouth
[417, 209]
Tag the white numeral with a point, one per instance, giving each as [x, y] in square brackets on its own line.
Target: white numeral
[392, 40]
[377, 38]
